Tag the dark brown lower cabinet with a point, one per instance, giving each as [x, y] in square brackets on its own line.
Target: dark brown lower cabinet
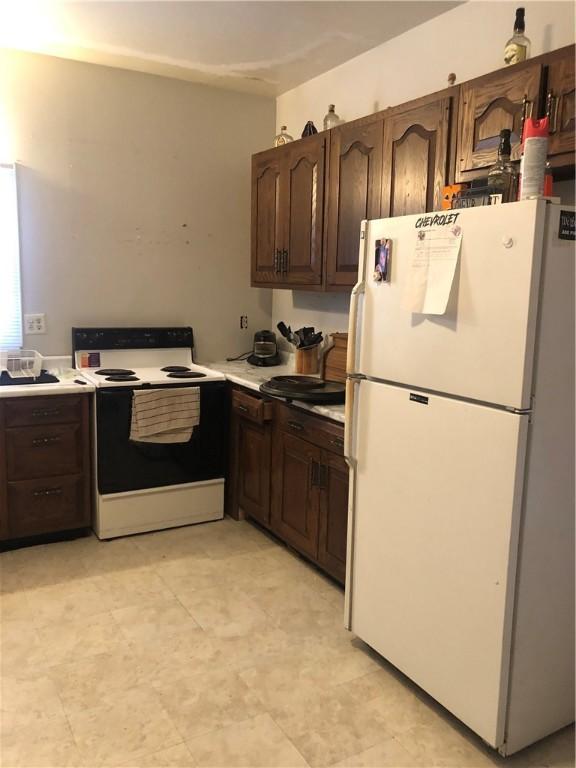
[333, 516]
[287, 472]
[296, 492]
[44, 465]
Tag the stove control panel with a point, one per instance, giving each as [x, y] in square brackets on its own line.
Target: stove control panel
[131, 338]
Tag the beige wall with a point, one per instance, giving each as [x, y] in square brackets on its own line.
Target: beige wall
[468, 40]
[134, 200]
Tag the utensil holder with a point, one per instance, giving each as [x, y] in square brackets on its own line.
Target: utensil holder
[307, 360]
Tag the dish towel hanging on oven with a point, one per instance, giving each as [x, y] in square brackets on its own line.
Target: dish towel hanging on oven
[164, 415]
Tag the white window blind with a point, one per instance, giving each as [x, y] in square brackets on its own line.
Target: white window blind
[10, 297]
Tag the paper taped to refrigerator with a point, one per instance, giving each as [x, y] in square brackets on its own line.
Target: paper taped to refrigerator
[432, 269]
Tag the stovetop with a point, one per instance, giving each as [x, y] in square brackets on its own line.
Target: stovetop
[149, 375]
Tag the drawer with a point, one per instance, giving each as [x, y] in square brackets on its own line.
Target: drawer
[43, 451]
[322, 432]
[32, 411]
[251, 407]
[43, 506]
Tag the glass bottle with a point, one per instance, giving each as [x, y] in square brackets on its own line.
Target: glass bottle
[309, 129]
[283, 137]
[502, 176]
[331, 119]
[517, 49]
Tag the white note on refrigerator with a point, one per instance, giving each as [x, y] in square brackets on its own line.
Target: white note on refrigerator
[432, 269]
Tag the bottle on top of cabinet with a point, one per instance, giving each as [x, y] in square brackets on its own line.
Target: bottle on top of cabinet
[283, 137]
[517, 49]
[331, 119]
[502, 177]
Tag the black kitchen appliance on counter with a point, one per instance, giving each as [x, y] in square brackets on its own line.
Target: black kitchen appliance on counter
[308, 389]
[265, 349]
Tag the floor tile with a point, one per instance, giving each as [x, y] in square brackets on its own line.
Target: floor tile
[135, 586]
[328, 726]
[88, 682]
[208, 701]
[250, 744]
[106, 557]
[178, 756]
[72, 641]
[21, 649]
[134, 725]
[225, 611]
[27, 699]
[154, 622]
[45, 744]
[386, 754]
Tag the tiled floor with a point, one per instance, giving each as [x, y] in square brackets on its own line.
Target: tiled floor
[206, 646]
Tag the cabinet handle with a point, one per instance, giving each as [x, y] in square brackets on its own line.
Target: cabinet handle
[526, 103]
[44, 413]
[296, 425]
[314, 473]
[322, 476]
[285, 262]
[48, 492]
[276, 261]
[338, 442]
[241, 408]
[38, 442]
[552, 104]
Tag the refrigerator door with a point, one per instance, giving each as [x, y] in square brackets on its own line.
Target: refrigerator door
[482, 347]
[438, 485]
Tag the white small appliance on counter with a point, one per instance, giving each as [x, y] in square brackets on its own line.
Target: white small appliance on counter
[147, 486]
[460, 439]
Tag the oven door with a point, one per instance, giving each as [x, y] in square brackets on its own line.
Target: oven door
[124, 465]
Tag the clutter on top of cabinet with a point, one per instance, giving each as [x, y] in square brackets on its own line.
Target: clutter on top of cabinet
[310, 389]
[309, 129]
[502, 176]
[517, 48]
[283, 137]
[331, 119]
[533, 161]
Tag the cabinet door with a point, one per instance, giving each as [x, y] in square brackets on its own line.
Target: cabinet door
[560, 108]
[302, 211]
[266, 217]
[489, 104]
[354, 194]
[47, 505]
[415, 157]
[333, 515]
[254, 447]
[295, 505]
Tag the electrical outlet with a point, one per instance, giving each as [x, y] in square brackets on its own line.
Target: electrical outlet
[243, 321]
[34, 324]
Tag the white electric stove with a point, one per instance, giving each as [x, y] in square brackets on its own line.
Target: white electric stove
[150, 486]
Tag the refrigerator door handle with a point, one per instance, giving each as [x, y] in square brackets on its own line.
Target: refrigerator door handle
[349, 440]
[354, 303]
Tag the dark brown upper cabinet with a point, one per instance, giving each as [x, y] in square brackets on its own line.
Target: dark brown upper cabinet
[488, 104]
[354, 183]
[560, 107]
[416, 155]
[288, 214]
[266, 217]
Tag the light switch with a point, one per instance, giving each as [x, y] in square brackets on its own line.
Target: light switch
[34, 324]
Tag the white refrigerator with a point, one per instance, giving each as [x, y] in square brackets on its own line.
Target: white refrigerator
[460, 442]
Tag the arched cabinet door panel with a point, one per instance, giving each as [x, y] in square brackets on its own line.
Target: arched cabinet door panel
[561, 108]
[489, 104]
[416, 157]
[354, 194]
[266, 217]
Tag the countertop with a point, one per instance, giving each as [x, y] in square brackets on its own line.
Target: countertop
[249, 376]
[59, 367]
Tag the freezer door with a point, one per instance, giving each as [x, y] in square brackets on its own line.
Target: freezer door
[482, 347]
[438, 486]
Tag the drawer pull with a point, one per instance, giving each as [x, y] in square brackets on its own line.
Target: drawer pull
[296, 425]
[338, 442]
[242, 408]
[40, 442]
[48, 492]
[44, 413]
